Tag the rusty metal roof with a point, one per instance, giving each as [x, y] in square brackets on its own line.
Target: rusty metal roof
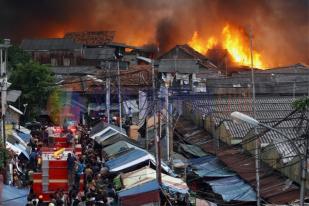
[275, 188]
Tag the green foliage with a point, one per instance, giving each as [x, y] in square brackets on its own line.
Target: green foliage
[33, 79]
[17, 56]
[301, 104]
[3, 156]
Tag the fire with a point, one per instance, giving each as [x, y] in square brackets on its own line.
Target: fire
[234, 41]
[198, 43]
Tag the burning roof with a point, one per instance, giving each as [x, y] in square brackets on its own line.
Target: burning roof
[95, 38]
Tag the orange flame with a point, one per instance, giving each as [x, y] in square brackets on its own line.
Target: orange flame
[234, 41]
[199, 45]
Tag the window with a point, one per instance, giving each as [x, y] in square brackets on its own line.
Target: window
[66, 62]
[54, 62]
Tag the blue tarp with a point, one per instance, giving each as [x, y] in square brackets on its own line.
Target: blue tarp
[13, 196]
[233, 188]
[143, 188]
[209, 166]
[23, 136]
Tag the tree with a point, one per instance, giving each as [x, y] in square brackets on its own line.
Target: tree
[301, 104]
[33, 79]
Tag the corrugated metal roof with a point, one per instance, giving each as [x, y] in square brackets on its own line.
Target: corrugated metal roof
[209, 166]
[13, 95]
[274, 187]
[146, 187]
[146, 174]
[233, 188]
[49, 44]
[99, 53]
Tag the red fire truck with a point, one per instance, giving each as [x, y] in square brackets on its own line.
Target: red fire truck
[54, 173]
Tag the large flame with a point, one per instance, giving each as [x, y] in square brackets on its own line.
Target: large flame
[234, 41]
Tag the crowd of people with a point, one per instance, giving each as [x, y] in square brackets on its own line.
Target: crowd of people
[88, 179]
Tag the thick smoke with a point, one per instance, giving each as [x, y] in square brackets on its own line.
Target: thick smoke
[280, 27]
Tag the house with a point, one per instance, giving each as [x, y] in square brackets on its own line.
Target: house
[187, 67]
[53, 51]
[213, 114]
[285, 80]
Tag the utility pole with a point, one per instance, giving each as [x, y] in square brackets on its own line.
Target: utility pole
[3, 66]
[107, 93]
[294, 90]
[119, 95]
[304, 171]
[225, 61]
[257, 145]
[167, 126]
[171, 134]
[158, 146]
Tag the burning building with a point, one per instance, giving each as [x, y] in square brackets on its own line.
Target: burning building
[278, 39]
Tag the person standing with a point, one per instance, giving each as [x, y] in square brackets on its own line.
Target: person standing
[80, 166]
[130, 115]
[71, 166]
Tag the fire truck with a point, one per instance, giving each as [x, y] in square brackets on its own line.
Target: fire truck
[53, 175]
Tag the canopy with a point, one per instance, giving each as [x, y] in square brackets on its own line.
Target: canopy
[233, 188]
[118, 147]
[146, 174]
[18, 149]
[24, 136]
[101, 132]
[209, 166]
[143, 188]
[133, 158]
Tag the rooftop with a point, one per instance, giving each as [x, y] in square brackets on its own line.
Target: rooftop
[275, 188]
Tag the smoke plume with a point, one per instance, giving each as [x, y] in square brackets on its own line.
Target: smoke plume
[280, 27]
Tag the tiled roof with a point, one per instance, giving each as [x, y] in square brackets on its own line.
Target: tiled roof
[91, 38]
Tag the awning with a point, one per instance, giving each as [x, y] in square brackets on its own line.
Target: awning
[209, 166]
[13, 95]
[118, 147]
[233, 188]
[143, 188]
[19, 139]
[103, 131]
[133, 158]
[130, 159]
[18, 149]
[16, 110]
[24, 136]
[146, 174]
